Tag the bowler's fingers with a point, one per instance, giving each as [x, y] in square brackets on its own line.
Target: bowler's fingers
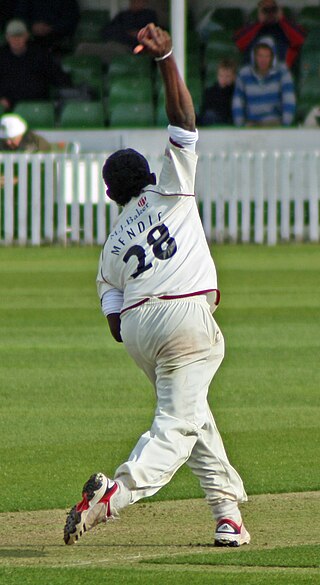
[153, 38]
[141, 34]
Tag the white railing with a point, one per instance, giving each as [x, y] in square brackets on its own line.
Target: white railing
[243, 197]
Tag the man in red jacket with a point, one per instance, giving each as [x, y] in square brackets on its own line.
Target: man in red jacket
[288, 36]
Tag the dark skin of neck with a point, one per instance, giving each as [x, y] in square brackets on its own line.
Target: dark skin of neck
[179, 105]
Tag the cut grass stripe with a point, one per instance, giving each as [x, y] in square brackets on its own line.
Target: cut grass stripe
[307, 556]
[139, 576]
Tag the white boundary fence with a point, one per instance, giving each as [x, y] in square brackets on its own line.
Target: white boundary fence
[243, 197]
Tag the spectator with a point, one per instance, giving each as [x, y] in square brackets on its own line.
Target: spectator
[120, 35]
[16, 136]
[216, 107]
[264, 92]
[288, 36]
[312, 119]
[50, 21]
[27, 70]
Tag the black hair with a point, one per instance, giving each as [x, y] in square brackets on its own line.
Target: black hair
[126, 172]
[227, 63]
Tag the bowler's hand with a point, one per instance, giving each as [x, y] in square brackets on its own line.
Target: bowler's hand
[155, 40]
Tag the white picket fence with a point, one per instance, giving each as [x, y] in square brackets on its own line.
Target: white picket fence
[261, 197]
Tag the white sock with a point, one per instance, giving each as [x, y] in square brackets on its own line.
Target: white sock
[120, 499]
[227, 509]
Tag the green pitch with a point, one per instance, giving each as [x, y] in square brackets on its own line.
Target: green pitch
[72, 401]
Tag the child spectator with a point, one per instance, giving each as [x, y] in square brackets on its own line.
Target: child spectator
[216, 107]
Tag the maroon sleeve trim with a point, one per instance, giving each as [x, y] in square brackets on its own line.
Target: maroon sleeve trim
[171, 194]
[175, 143]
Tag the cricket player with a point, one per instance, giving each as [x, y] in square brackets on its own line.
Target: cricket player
[158, 288]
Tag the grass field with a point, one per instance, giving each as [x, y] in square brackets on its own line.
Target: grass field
[72, 402]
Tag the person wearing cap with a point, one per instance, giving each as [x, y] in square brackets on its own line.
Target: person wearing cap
[264, 92]
[27, 71]
[15, 135]
[272, 22]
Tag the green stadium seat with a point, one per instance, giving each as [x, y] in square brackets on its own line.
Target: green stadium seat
[90, 25]
[38, 114]
[87, 70]
[130, 90]
[131, 115]
[92, 80]
[309, 17]
[229, 18]
[130, 66]
[304, 106]
[71, 63]
[310, 89]
[219, 45]
[313, 40]
[195, 88]
[86, 114]
[161, 115]
[309, 65]
[193, 64]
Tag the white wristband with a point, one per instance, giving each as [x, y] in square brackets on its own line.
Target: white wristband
[164, 56]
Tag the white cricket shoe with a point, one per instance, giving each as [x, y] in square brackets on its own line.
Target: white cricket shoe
[93, 508]
[228, 533]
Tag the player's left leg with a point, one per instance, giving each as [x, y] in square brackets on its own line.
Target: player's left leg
[101, 499]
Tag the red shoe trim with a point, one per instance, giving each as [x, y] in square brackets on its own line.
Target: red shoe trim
[106, 498]
[83, 505]
[235, 526]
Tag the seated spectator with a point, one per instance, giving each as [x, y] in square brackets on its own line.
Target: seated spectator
[216, 107]
[15, 136]
[312, 119]
[120, 35]
[27, 70]
[264, 92]
[288, 36]
[50, 21]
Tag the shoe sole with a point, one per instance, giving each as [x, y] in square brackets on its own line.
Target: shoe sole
[232, 541]
[75, 525]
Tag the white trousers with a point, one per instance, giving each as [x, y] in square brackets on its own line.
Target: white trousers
[179, 346]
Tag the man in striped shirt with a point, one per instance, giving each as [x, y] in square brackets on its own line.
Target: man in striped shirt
[264, 93]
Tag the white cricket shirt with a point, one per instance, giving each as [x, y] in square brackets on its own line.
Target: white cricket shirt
[157, 247]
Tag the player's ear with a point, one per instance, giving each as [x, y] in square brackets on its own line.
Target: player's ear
[153, 179]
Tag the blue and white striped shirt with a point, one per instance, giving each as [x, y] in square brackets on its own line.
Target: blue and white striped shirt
[268, 99]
